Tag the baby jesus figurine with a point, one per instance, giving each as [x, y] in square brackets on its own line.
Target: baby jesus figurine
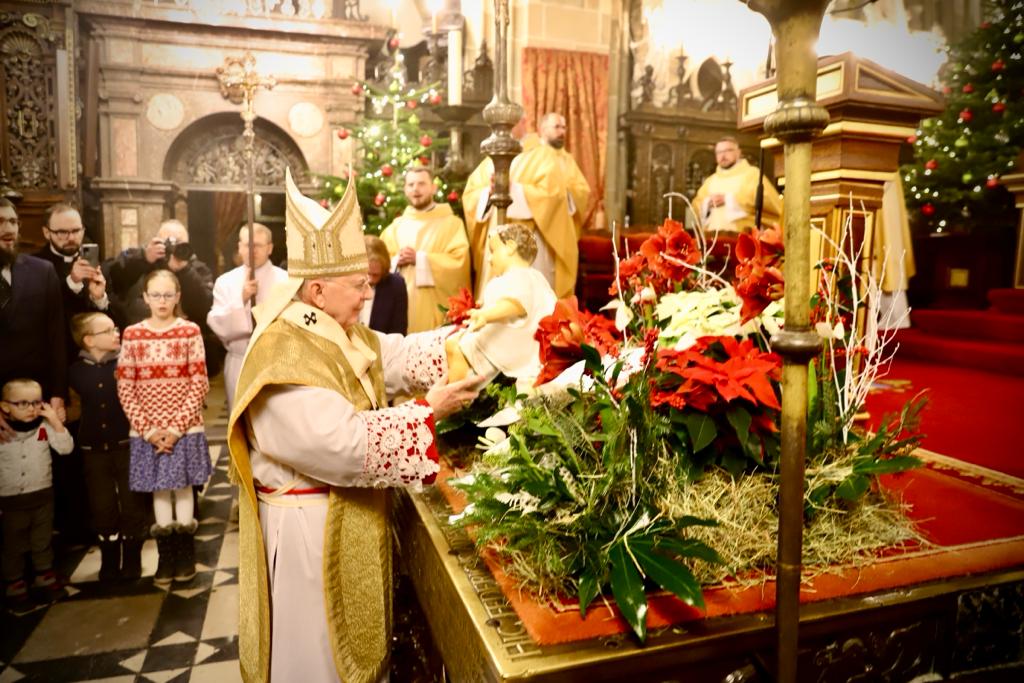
[499, 336]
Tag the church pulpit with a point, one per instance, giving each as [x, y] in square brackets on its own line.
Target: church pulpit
[872, 112]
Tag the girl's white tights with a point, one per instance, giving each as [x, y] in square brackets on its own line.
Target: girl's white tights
[183, 507]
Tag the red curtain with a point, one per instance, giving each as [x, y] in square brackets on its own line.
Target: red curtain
[574, 84]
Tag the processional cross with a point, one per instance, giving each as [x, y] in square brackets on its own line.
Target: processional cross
[239, 82]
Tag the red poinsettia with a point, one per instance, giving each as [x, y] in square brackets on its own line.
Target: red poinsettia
[716, 371]
[661, 262]
[670, 251]
[459, 307]
[759, 280]
[563, 333]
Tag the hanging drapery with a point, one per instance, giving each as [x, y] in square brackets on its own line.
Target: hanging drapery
[574, 84]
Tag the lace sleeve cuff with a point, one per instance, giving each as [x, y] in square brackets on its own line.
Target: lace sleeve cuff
[425, 361]
[400, 448]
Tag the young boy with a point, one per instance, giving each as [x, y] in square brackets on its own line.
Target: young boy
[119, 515]
[26, 491]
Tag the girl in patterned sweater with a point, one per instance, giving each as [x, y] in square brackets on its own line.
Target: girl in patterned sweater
[161, 381]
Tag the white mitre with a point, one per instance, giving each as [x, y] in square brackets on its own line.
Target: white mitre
[320, 243]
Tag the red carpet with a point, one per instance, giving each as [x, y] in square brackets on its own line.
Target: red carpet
[972, 415]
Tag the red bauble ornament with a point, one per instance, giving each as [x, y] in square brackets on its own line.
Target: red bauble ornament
[946, 90]
[998, 65]
[411, 104]
[379, 199]
[999, 107]
[393, 44]
[387, 170]
[931, 164]
[453, 196]
[966, 115]
[911, 139]
[426, 141]
[435, 99]
[324, 203]
[342, 133]
[967, 89]
[425, 161]
[928, 209]
[985, 24]
[357, 89]
[992, 183]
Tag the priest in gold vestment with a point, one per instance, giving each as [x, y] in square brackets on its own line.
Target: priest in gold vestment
[314, 449]
[549, 194]
[429, 250]
[725, 202]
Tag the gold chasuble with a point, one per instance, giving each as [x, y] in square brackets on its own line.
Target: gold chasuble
[441, 238]
[357, 542]
[548, 177]
[739, 185]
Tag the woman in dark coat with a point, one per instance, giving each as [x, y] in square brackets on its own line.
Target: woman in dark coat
[388, 310]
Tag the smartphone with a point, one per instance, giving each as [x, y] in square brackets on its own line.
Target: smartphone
[91, 253]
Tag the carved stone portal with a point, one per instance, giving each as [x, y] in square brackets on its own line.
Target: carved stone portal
[210, 154]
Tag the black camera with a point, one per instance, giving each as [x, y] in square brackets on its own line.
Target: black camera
[181, 250]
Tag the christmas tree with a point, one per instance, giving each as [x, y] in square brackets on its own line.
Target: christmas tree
[390, 140]
[961, 155]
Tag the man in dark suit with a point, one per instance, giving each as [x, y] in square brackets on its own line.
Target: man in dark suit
[31, 319]
[83, 286]
[84, 290]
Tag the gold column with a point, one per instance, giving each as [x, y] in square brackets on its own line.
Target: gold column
[796, 121]
[502, 115]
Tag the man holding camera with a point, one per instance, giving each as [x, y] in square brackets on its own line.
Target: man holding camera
[170, 249]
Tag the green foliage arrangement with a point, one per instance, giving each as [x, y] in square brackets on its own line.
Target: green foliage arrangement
[614, 477]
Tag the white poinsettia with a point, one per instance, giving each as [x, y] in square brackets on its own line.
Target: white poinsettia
[692, 315]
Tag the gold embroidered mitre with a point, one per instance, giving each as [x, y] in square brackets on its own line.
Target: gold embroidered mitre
[323, 243]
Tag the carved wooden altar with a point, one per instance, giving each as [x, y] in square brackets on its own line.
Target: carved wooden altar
[962, 626]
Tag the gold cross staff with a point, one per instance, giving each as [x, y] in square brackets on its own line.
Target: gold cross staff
[239, 81]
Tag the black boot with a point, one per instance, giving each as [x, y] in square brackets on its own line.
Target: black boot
[166, 550]
[185, 559]
[110, 557]
[131, 558]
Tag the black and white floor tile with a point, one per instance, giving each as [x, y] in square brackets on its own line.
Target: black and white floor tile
[137, 631]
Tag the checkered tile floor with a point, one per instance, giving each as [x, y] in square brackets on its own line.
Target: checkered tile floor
[137, 631]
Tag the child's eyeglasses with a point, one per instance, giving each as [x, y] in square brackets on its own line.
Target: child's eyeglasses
[26, 404]
[166, 296]
[109, 330]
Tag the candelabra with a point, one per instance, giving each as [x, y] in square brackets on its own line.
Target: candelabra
[501, 115]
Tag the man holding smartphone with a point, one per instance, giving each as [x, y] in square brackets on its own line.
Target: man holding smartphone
[84, 290]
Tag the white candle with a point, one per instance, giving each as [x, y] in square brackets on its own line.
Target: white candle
[454, 67]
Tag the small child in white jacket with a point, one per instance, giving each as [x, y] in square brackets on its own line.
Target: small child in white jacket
[26, 491]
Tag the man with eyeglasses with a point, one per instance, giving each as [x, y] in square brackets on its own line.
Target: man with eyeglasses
[83, 290]
[32, 333]
[83, 286]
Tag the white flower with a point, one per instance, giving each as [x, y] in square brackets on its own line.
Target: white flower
[493, 440]
[623, 313]
[825, 331]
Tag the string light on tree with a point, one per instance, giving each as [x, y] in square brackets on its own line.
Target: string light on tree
[960, 154]
[389, 139]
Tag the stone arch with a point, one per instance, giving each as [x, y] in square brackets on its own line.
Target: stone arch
[209, 155]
